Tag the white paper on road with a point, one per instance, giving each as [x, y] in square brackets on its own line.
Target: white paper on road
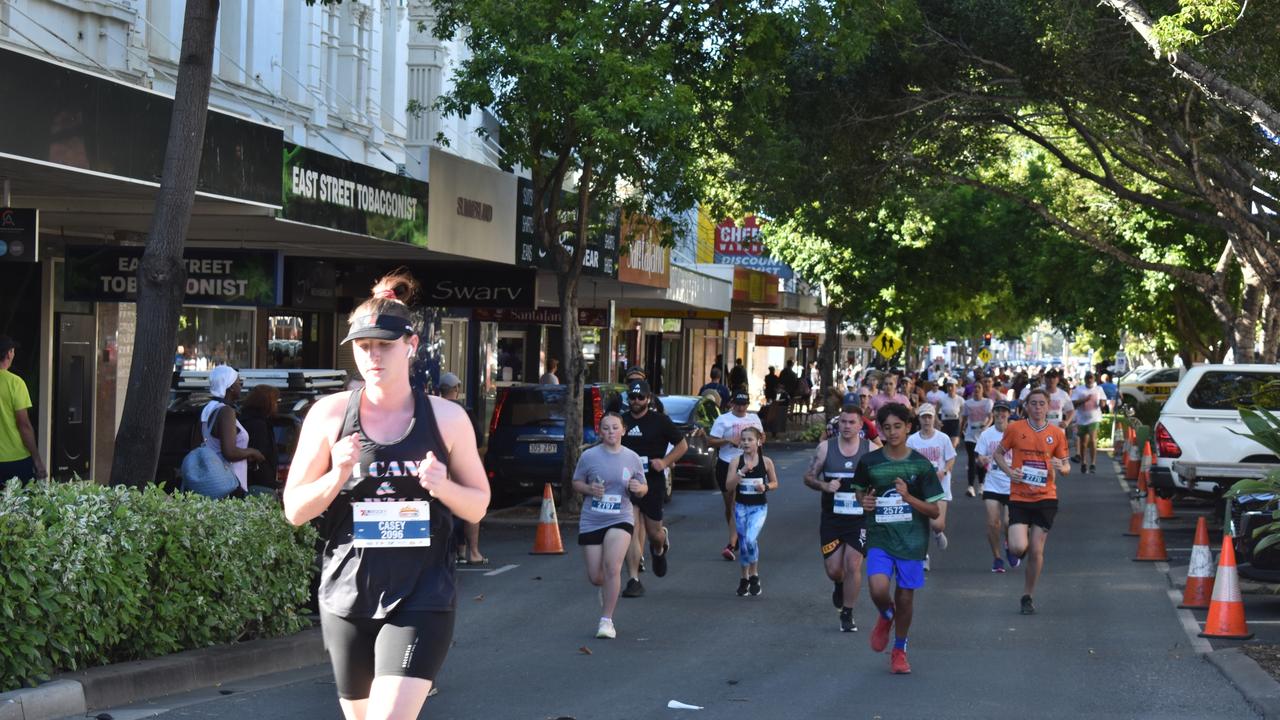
[677, 705]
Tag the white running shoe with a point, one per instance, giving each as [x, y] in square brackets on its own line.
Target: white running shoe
[941, 539]
[606, 630]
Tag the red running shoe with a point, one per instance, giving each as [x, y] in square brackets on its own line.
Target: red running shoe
[727, 553]
[898, 664]
[880, 634]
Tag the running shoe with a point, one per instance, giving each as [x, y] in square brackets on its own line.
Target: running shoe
[997, 566]
[880, 634]
[660, 560]
[633, 588]
[846, 621]
[1093, 469]
[898, 664]
[969, 491]
[755, 585]
[728, 554]
[606, 630]
[743, 586]
[837, 595]
[1028, 607]
[1014, 560]
[941, 539]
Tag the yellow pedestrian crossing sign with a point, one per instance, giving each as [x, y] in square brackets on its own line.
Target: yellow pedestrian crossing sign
[984, 355]
[887, 343]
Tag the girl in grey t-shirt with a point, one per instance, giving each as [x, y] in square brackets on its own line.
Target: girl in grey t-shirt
[607, 475]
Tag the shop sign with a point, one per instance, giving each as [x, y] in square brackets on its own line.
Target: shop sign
[19, 235]
[802, 341]
[587, 317]
[64, 117]
[682, 314]
[743, 245]
[331, 192]
[601, 258]
[645, 261]
[754, 288]
[770, 341]
[96, 273]
[443, 284]
[472, 212]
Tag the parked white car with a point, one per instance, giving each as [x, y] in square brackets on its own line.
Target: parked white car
[1195, 449]
[1146, 384]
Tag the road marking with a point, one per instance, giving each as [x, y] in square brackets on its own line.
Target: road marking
[501, 570]
[1200, 645]
[1263, 622]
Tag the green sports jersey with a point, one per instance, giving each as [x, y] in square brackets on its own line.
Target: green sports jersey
[896, 527]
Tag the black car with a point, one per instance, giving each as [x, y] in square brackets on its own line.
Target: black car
[299, 390]
[694, 415]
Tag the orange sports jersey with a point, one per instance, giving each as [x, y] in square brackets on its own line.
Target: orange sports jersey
[1031, 453]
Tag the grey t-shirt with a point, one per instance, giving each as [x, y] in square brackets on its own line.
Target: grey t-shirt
[614, 469]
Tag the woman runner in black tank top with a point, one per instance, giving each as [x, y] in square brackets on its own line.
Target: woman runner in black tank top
[389, 468]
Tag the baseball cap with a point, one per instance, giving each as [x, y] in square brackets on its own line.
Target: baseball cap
[927, 409]
[378, 327]
[1002, 405]
[740, 398]
[221, 378]
[638, 388]
[449, 380]
[850, 398]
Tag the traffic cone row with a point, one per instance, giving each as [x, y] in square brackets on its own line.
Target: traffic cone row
[1199, 588]
[1131, 458]
[1144, 469]
[1151, 537]
[547, 541]
[1226, 610]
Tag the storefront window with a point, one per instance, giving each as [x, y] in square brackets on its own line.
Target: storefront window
[592, 351]
[208, 337]
[511, 357]
[284, 341]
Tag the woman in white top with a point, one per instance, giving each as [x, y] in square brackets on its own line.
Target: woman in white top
[221, 430]
[977, 413]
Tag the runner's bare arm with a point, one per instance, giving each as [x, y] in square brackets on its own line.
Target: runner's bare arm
[322, 462]
[772, 482]
[815, 467]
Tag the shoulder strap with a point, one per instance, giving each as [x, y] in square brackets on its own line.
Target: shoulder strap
[351, 417]
[429, 416]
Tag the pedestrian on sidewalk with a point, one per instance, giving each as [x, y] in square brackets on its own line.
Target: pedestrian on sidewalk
[751, 475]
[607, 475]
[389, 468]
[899, 490]
[19, 454]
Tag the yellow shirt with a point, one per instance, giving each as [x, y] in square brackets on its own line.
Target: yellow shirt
[13, 397]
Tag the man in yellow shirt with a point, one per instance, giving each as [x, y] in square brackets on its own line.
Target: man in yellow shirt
[19, 456]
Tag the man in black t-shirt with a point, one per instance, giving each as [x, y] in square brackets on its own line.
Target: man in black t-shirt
[649, 434]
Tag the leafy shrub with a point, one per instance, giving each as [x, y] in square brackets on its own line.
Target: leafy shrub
[813, 433]
[91, 575]
[1148, 411]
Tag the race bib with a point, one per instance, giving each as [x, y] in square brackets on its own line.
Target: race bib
[391, 524]
[748, 486]
[607, 504]
[975, 426]
[950, 416]
[644, 462]
[1055, 416]
[892, 509]
[1035, 473]
[846, 503]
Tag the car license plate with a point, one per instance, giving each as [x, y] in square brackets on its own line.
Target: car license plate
[542, 448]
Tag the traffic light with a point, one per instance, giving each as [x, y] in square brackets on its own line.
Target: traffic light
[986, 340]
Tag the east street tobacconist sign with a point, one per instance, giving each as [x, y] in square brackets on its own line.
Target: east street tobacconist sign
[328, 191]
[214, 277]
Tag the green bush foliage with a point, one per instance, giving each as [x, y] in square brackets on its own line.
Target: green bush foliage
[91, 575]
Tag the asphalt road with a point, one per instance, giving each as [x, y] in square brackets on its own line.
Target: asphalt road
[1106, 642]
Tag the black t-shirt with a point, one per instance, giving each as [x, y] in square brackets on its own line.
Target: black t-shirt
[649, 435]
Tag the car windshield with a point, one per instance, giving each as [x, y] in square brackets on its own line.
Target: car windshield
[679, 408]
[533, 405]
[1227, 390]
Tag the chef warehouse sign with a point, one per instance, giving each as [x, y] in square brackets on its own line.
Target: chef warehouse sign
[742, 244]
[214, 277]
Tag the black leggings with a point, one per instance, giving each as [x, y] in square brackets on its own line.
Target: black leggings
[406, 644]
[975, 469]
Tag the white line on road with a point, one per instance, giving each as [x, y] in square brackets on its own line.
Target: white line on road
[501, 570]
[1189, 625]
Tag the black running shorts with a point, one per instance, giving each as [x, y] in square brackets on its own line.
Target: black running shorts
[596, 537]
[833, 535]
[409, 643]
[1002, 498]
[1040, 514]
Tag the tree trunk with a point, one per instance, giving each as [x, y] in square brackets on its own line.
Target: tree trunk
[828, 362]
[575, 372]
[161, 274]
[1271, 326]
[1245, 328]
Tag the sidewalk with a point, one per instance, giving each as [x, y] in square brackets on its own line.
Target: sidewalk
[124, 683]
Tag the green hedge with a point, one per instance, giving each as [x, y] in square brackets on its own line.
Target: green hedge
[91, 575]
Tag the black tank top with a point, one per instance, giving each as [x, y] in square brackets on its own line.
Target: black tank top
[374, 582]
[839, 466]
[756, 472]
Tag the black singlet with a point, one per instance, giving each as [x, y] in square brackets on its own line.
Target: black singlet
[839, 466]
[756, 472]
[373, 582]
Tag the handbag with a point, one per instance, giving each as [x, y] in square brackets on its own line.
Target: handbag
[205, 472]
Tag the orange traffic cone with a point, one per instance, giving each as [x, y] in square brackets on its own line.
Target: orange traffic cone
[1135, 522]
[1144, 469]
[1226, 612]
[1199, 589]
[1131, 459]
[1151, 537]
[548, 540]
[1164, 506]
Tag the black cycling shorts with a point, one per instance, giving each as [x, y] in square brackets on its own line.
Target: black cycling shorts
[651, 504]
[1002, 498]
[1040, 514]
[409, 643]
[833, 535]
[722, 475]
[951, 428]
[596, 537]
